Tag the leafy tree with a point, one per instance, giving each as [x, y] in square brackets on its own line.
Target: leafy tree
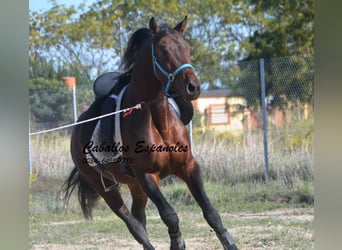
[81, 45]
[282, 28]
[219, 32]
[290, 79]
[50, 100]
[89, 39]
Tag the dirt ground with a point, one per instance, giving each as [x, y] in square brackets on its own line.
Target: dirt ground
[256, 234]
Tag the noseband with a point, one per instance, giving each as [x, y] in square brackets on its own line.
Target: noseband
[169, 75]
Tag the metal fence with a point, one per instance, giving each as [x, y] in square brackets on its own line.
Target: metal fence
[277, 101]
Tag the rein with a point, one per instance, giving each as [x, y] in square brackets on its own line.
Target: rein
[169, 75]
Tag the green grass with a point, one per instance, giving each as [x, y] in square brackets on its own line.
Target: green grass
[105, 230]
[243, 197]
[238, 204]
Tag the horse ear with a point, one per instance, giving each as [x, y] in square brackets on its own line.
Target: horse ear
[153, 25]
[181, 26]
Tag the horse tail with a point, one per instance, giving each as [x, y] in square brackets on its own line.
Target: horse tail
[87, 196]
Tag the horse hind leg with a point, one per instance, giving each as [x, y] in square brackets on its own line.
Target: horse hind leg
[194, 182]
[114, 201]
[112, 198]
[139, 202]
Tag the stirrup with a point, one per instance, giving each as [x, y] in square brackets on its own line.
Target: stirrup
[108, 188]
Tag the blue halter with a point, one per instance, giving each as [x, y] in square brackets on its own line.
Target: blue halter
[170, 76]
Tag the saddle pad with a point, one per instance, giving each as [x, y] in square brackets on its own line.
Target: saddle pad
[106, 151]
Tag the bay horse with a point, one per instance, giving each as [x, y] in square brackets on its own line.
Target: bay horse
[158, 65]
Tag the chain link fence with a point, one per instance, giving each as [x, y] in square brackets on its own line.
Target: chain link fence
[280, 132]
[50, 108]
[289, 88]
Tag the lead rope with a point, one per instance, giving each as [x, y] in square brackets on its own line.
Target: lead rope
[129, 110]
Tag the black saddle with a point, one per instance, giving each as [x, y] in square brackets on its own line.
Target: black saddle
[107, 87]
[104, 84]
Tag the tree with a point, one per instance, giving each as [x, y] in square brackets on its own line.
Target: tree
[282, 28]
[79, 44]
[219, 32]
[50, 100]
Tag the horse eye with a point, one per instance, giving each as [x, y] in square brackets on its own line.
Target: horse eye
[164, 54]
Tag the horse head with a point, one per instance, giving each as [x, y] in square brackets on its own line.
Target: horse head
[172, 61]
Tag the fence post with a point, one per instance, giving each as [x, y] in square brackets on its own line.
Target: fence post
[190, 134]
[30, 153]
[70, 81]
[74, 102]
[264, 118]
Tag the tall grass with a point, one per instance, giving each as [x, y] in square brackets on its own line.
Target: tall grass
[225, 160]
[222, 157]
[50, 155]
[241, 159]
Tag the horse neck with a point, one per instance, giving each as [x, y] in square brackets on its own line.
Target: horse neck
[145, 87]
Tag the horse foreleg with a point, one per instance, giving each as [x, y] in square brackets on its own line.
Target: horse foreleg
[150, 184]
[194, 182]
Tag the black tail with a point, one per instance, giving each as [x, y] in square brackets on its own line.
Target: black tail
[87, 196]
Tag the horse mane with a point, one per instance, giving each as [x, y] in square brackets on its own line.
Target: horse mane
[137, 39]
[135, 43]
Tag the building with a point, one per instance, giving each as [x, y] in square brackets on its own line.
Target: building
[227, 110]
[221, 110]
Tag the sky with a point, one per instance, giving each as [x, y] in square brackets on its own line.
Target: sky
[43, 5]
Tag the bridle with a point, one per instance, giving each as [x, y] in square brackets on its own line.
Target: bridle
[169, 75]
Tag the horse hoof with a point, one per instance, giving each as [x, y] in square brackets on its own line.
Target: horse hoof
[233, 247]
[226, 240]
[149, 248]
[178, 245]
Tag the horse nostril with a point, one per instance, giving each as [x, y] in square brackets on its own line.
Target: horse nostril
[190, 88]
